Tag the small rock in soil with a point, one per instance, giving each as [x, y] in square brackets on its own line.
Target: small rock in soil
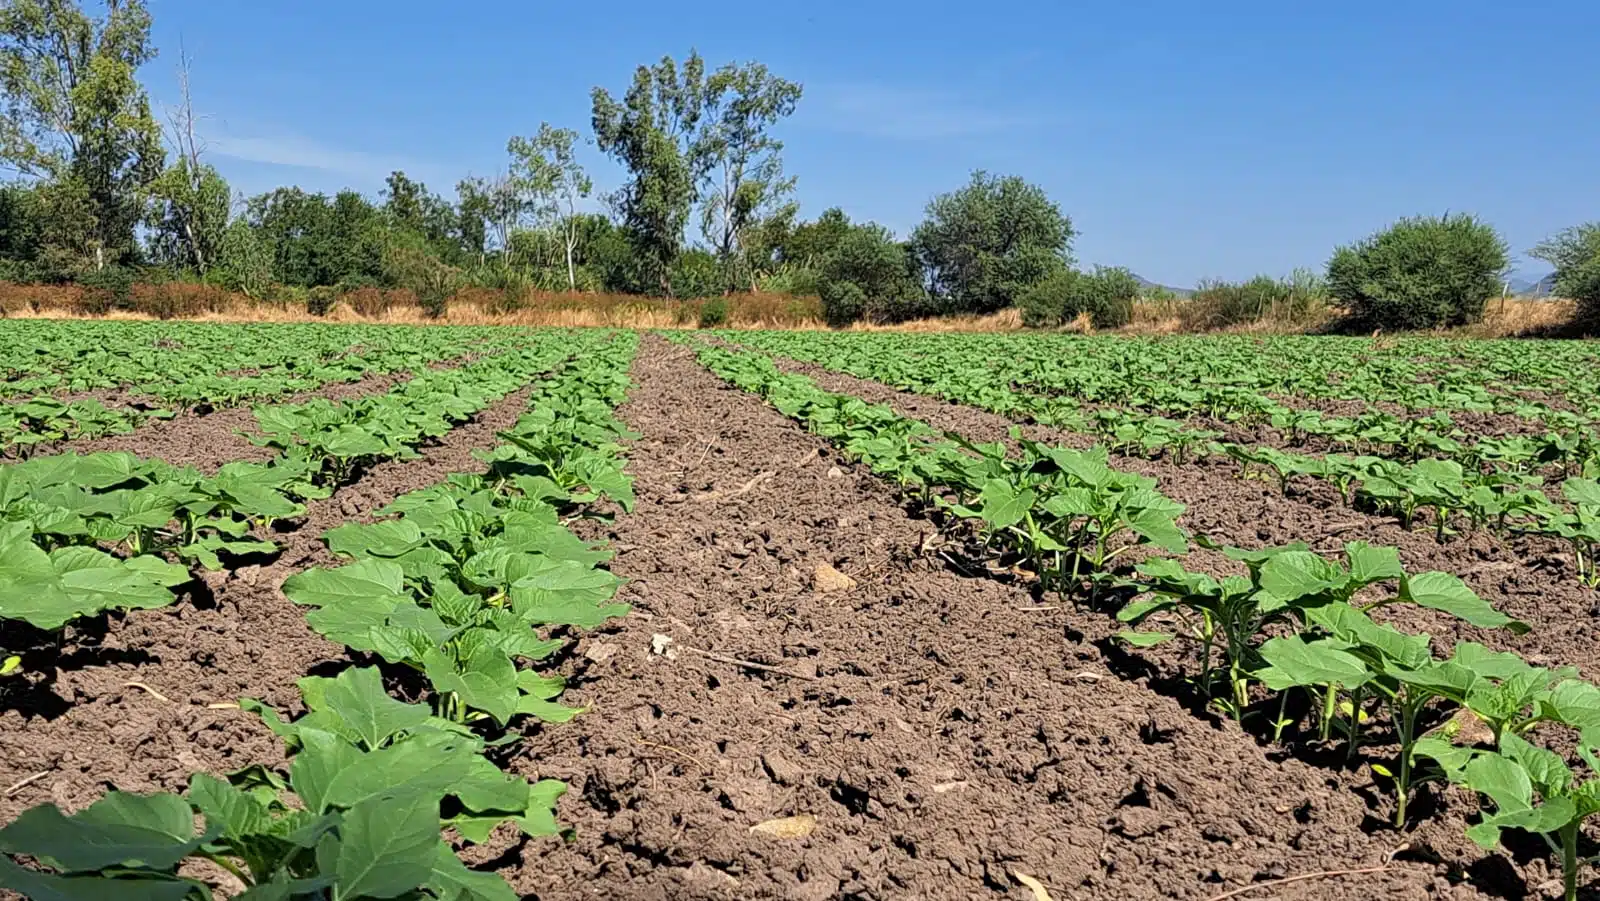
[830, 581]
[780, 770]
[787, 827]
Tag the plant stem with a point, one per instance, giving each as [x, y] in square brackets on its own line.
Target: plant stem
[231, 867]
[1277, 727]
[1569, 860]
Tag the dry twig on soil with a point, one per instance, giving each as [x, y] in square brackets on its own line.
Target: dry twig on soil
[750, 664]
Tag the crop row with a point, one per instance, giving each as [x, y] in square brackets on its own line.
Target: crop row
[175, 360]
[1494, 490]
[200, 383]
[1507, 377]
[1061, 392]
[85, 534]
[1294, 640]
[455, 587]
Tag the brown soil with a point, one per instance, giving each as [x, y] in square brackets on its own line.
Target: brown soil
[944, 732]
[208, 439]
[1528, 577]
[234, 635]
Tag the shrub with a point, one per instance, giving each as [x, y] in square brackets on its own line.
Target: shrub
[365, 301]
[374, 302]
[1109, 300]
[1044, 305]
[695, 273]
[1422, 272]
[1575, 254]
[285, 295]
[1298, 300]
[988, 242]
[842, 303]
[1105, 295]
[1583, 285]
[714, 313]
[178, 300]
[319, 300]
[105, 290]
[882, 273]
[434, 298]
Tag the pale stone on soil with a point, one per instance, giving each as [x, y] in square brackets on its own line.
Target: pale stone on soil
[830, 581]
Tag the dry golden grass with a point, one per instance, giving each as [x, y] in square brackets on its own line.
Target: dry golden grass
[1003, 321]
[1503, 319]
[471, 307]
[1523, 318]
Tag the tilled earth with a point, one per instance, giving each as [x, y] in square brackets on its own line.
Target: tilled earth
[131, 708]
[809, 701]
[937, 735]
[1527, 577]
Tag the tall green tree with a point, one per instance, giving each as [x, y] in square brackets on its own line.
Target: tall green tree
[189, 215]
[414, 209]
[20, 222]
[553, 181]
[985, 244]
[244, 261]
[77, 113]
[494, 207]
[1575, 254]
[654, 131]
[739, 163]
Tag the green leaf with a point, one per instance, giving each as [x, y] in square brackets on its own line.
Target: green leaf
[1351, 625]
[563, 592]
[1292, 575]
[38, 886]
[386, 847]
[1447, 593]
[362, 580]
[1297, 662]
[1576, 704]
[357, 697]
[1452, 759]
[1545, 768]
[1582, 491]
[330, 774]
[1370, 564]
[227, 809]
[390, 538]
[1003, 505]
[1143, 639]
[1160, 528]
[452, 881]
[1489, 664]
[150, 831]
[485, 681]
[1499, 777]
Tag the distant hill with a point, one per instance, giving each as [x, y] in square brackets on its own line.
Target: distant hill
[1146, 283]
[1525, 287]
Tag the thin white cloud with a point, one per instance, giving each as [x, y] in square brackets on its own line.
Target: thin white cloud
[911, 114]
[305, 153]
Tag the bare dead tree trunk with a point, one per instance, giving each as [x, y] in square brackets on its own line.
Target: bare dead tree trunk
[185, 141]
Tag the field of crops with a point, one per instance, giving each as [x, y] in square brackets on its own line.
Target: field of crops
[346, 612]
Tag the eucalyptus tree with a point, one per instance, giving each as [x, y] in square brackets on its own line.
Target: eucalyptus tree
[77, 116]
[552, 179]
[739, 162]
[653, 131]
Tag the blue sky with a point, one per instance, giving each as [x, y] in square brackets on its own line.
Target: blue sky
[1186, 140]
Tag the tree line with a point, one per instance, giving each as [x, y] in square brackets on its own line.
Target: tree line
[108, 191]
